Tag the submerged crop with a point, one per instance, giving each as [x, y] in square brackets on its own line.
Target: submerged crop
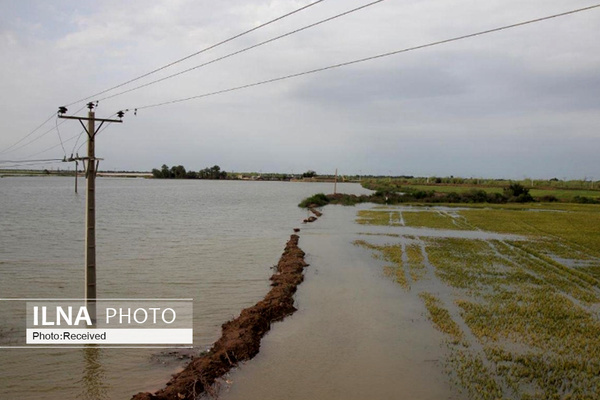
[525, 323]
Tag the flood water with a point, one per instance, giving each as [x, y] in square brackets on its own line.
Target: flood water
[213, 241]
[356, 335]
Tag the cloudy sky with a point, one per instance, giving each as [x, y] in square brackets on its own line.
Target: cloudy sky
[518, 103]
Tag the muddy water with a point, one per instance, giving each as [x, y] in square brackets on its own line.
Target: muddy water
[357, 334]
[213, 241]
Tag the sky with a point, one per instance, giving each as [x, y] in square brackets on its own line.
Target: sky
[520, 103]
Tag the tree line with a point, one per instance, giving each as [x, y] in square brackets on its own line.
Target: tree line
[514, 193]
[179, 172]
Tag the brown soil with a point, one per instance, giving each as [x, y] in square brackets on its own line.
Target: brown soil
[240, 339]
[315, 211]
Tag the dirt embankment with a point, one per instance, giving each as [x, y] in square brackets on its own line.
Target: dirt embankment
[240, 339]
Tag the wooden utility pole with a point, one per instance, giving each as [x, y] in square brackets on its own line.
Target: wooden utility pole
[90, 201]
[335, 183]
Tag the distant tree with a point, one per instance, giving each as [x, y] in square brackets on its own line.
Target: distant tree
[309, 174]
[517, 193]
[178, 172]
[166, 173]
[213, 172]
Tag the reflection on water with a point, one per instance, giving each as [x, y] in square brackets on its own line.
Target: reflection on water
[93, 382]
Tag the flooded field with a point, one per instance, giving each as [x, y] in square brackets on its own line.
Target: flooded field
[515, 291]
[356, 334]
[398, 302]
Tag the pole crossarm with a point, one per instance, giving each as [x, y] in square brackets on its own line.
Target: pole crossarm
[81, 119]
[71, 159]
[87, 119]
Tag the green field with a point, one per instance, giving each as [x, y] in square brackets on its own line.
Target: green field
[521, 313]
[561, 194]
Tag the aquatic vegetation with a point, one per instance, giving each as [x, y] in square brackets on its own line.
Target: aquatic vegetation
[416, 264]
[364, 243]
[378, 217]
[441, 317]
[391, 253]
[473, 375]
[467, 264]
[432, 219]
[529, 323]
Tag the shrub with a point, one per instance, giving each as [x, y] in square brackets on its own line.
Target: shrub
[517, 193]
[548, 199]
[585, 200]
[317, 200]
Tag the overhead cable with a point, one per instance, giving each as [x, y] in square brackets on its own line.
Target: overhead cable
[29, 161]
[242, 50]
[29, 134]
[12, 148]
[198, 52]
[361, 60]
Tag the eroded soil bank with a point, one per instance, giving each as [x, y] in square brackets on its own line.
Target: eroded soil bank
[240, 339]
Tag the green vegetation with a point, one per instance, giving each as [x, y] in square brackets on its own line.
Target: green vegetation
[432, 219]
[390, 192]
[528, 325]
[460, 190]
[179, 172]
[441, 317]
[391, 254]
[372, 217]
[317, 200]
[415, 261]
[472, 374]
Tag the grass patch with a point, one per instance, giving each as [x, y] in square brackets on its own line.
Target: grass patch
[577, 228]
[416, 260]
[432, 219]
[391, 254]
[441, 317]
[377, 217]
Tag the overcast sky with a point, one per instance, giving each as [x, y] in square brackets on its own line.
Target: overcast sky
[518, 103]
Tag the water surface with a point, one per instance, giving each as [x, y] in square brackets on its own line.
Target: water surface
[213, 241]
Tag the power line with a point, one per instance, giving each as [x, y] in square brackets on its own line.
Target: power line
[35, 139]
[77, 141]
[60, 138]
[29, 134]
[242, 50]
[153, 72]
[25, 164]
[199, 52]
[29, 161]
[391, 53]
[55, 146]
